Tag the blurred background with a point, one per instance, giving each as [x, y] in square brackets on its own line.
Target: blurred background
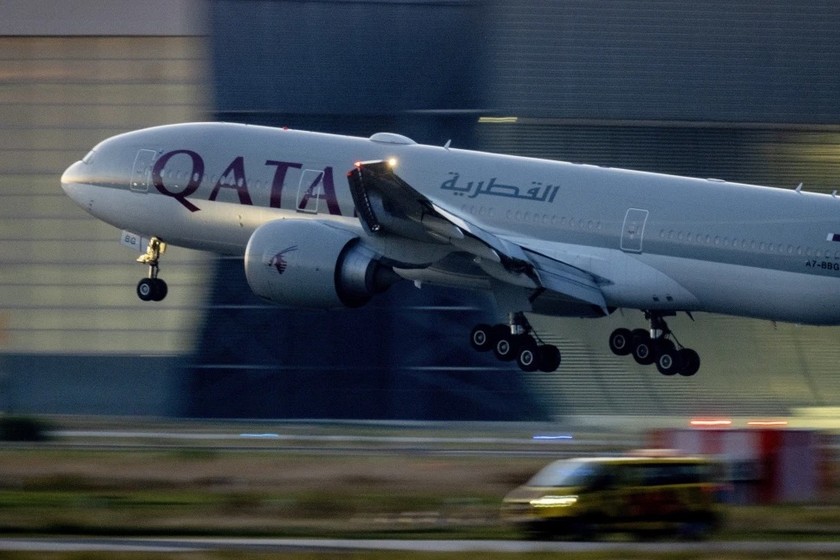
[744, 92]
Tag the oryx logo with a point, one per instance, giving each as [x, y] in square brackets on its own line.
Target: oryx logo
[279, 262]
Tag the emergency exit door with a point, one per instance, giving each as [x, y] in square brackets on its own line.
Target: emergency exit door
[633, 232]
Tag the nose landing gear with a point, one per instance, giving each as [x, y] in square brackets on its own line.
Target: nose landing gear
[152, 288]
[516, 341]
[656, 346]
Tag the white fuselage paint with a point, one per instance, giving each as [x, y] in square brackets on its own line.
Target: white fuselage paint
[654, 242]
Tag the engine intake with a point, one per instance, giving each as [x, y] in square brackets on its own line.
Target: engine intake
[307, 263]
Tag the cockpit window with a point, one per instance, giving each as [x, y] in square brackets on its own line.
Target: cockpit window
[89, 157]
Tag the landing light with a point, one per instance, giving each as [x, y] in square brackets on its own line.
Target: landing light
[392, 163]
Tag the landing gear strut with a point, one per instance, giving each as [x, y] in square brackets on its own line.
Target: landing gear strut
[656, 346]
[152, 288]
[516, 341]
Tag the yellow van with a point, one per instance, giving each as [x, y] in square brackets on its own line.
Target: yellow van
[642, 495]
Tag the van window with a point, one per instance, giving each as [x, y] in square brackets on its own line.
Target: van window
[669, 473]
[566, 473]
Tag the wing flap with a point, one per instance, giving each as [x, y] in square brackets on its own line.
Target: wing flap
[565, 279]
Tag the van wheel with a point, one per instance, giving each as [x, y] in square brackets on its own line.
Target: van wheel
[647, 535]
[540, 531]
[584, 530]
[696, 529]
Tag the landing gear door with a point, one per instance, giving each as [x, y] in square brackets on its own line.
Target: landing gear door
[142, 170]
[633, 231]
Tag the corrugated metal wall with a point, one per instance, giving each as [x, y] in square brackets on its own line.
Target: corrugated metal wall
[750, 61]
[351, 67]
[779, 156]
[66, 284]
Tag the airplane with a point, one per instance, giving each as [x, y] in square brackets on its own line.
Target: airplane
[330, 221]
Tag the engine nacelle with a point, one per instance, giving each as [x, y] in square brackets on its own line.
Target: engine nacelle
[307, 263]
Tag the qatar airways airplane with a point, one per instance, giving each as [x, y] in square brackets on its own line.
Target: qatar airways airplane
[328, 221]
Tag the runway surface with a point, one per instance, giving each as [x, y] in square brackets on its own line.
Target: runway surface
[472, 439]
[463, 440]
[164, 545]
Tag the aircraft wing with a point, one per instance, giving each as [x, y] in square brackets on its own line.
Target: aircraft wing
[385, 203]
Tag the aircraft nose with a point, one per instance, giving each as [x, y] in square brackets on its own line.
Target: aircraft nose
[72, 181]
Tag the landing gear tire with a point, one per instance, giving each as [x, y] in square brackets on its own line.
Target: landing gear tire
[162, 290]
[152, 289]
[527, 356]
[549, 358]
[643, 351]
[481, 338]
[531, 356]
[656, 346]
[145, 289]
[516, 341]
[506, 347]
[690, 362]
[668, 360]
[621, 342]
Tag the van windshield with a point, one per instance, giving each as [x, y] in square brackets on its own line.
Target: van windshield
[565, 473]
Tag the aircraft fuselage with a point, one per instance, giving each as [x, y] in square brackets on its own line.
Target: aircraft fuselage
[654, 242]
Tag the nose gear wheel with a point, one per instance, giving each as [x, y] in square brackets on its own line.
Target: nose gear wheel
[152, 288]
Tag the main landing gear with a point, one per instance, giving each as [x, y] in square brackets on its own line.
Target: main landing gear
[152, 288]
[516, 341]
[657, 346]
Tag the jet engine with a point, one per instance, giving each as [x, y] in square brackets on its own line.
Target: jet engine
[307, 263]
